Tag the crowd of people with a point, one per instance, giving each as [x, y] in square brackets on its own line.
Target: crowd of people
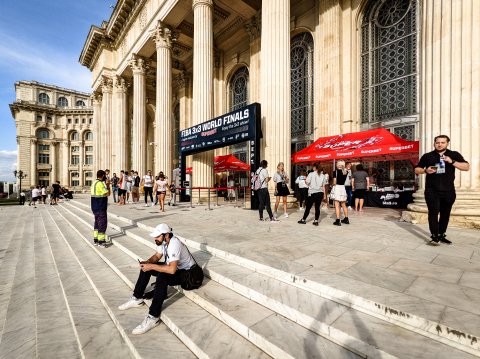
[46, 194]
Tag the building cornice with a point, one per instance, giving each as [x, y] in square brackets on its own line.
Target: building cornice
[94, 39]
[34, 106]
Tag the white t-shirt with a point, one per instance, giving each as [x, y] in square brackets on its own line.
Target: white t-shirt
[35, 193]
[176, 251]
[301, 181]
[348, 181]
[263, 175]
[123, 178]
[129, 180]
[44, 191]
[315, 182]
[161, 186]
[148, 181]
[279, 177]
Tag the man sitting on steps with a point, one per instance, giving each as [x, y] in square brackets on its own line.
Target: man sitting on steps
[178, 260]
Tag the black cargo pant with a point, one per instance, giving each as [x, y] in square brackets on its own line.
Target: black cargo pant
[439, 202]
[264, 202]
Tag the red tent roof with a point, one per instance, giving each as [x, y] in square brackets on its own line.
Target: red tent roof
[226, 163]
[374, 145]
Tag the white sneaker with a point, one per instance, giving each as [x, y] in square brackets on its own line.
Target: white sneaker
[349, 208]
[131, 303]
[146, 205]
[148, 323]
[286, 215]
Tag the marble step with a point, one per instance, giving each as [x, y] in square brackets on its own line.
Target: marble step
[365, 333]
[17, 295]
[205, 335]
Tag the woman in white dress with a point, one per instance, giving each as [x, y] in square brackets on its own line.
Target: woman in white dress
[339, 193]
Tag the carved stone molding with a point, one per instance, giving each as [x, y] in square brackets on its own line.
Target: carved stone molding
[254, 27]
[217, 57]
[182, 80]
[33, 141]
[138, 64]
[162, 36]
[107, 84]
[96, 98]
[121, 85]
[196, 3]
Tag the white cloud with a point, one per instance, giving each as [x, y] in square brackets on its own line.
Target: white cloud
[8, 163]
[32, 61]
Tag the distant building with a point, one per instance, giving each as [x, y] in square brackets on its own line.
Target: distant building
[54, 134]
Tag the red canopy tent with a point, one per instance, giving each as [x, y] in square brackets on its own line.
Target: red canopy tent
[372, 145]
[226, 163]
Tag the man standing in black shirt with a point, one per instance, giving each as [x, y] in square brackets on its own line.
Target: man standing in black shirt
[439, 166]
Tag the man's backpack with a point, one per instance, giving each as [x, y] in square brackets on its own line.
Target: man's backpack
[256, 182]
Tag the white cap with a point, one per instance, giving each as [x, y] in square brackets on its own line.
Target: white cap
[162, 228]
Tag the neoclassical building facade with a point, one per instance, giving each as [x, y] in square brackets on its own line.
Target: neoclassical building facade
[55, 141]
[317, 68]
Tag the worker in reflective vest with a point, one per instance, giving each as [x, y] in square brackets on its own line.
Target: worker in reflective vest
[100, 190]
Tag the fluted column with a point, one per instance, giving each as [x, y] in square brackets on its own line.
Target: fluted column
[202, 84]
[275, 93]
[253, 28]
[97, 117]
[122, 148]
[81, 164]
[33, 162]
[139, 140]
[65, 162]
[53, 161]
[106, 128]
[163, 113]
[450, 94]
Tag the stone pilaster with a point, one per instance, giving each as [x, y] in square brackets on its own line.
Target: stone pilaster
[202, 85]
[275, 90]
[162, 36]
[97, 117]
[139, 140]
[33, 162]
[184, 85]
[122, 148]
[451, 70]
[53, 161]
[81, 164]
[253, 27]
[106, 129]
[66, 161]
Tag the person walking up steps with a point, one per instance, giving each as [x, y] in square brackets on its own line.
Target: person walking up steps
[99, 202]
[147, 182]
[316, 189]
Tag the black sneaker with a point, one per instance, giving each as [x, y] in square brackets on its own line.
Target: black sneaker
[337, 223]
[443, 239]
[345, 220]
[315, 223]
[302, 221]
[434, 240]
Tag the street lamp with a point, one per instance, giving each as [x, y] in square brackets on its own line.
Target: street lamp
[20, 175]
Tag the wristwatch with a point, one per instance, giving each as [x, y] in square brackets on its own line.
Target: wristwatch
[453, 161]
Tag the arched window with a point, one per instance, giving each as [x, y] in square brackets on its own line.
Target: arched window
[74, 136]
[43, 133]
[238, 89]
[89, 136]
[80, 103]
[389, 60]
[301, 57]
[238, 95]
[62, 102]
[43, 98]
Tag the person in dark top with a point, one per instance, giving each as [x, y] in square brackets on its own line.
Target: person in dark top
[56, 193]
[339, 194]
[439, 167]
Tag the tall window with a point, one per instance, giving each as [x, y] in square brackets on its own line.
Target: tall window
[238, 94]
[62, 102]
[43, 98]
[43, 158]
[43, 134]
[301, 57]
[80, 103]
[74, 136]
[89, 136]
[89, 159]
[389, 65]
[75, 159]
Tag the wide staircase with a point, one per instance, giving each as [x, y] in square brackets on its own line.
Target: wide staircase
[59, 298]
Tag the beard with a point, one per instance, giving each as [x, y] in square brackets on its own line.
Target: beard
[158, 243]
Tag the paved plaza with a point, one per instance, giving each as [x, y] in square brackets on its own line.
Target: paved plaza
[373, 288]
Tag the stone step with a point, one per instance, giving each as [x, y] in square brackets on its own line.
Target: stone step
[202, 333]
[302, 307]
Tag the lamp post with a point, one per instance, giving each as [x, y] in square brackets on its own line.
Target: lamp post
[20, 175]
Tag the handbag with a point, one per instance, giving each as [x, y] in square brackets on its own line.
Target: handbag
[193, 277]
[332, 193]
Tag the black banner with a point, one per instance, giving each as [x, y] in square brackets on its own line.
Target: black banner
[233, 127]
[388, 199]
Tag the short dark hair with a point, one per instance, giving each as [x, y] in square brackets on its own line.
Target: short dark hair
[263, 163]
[441, 136]
[359, 167]
[100, 173]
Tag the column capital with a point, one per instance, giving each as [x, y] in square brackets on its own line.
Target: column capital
[96, 98]
[66, 144]
[33, 141]
[138, 64]
[106, 84]
[163, 36]
[254, 26]
[183, 79]
[196, 3]
[121, 85]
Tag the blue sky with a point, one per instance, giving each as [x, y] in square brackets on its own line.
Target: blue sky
[41, 40]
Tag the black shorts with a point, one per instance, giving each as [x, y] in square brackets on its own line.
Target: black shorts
[359, 193]
[122, 192]
[282, 190]
[161, 192]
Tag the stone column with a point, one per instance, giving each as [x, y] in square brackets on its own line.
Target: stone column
[120, 131]
[275, 90]
[253, 28]
[450, 95]
[66, 161]
[106, 128]
[163, 113]
[53, 161]
[139, 140]
[202, 85]
[33, 162]
[97, 108]
[81, 164]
